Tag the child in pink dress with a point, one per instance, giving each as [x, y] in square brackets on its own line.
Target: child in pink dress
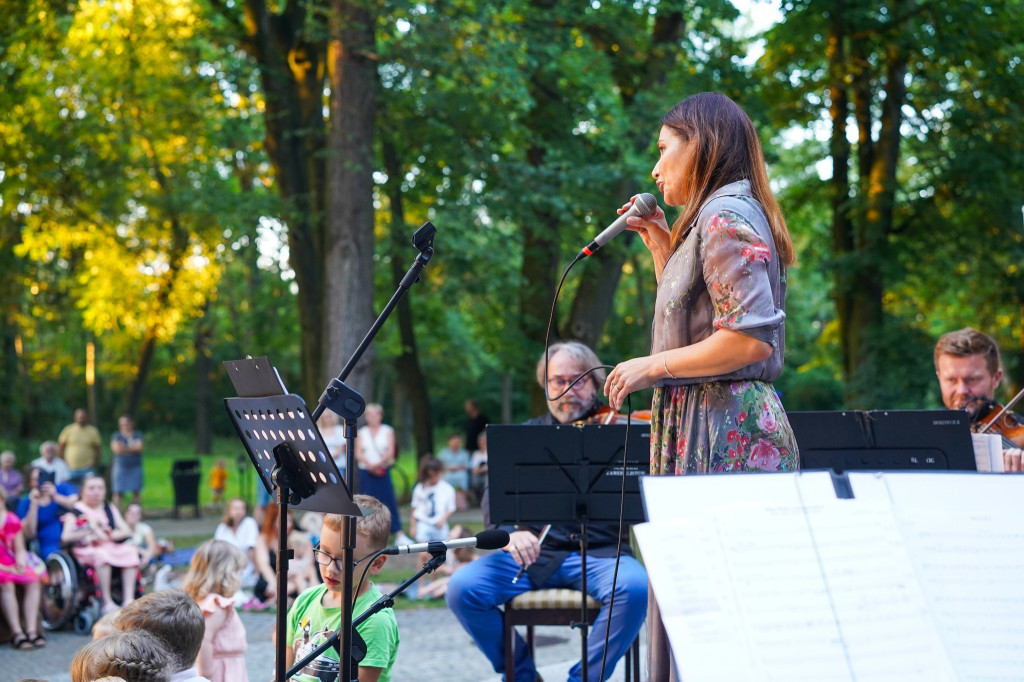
[18, 566]
[213, 577]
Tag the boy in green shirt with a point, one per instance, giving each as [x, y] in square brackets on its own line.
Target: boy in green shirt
[316, 613]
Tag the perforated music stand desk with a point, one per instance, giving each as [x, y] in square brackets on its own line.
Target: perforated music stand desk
[265, 424]
[289, 454]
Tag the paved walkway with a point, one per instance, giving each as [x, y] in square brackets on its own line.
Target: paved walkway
[433, 645]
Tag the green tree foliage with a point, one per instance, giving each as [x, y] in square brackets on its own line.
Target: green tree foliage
[121, 178]
[918, 97]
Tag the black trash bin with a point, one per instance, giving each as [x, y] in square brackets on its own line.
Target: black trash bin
[185, 475]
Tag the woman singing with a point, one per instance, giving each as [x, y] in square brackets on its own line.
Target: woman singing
[719, 334]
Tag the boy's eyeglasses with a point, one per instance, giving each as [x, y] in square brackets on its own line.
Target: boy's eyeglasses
[325, 559]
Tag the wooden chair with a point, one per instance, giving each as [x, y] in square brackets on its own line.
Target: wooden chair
[555, 607]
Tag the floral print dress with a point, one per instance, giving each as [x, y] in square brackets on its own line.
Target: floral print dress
[725, 274]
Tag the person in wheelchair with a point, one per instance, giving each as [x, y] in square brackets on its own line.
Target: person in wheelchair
[96, 533]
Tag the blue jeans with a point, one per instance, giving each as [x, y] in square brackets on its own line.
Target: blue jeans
[476, 590]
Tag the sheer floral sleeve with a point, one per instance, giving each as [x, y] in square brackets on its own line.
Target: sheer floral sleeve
[737, 264]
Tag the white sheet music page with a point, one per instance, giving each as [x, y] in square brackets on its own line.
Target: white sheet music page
[788, 592]
[742, 597]
[965, 533]
[883, 616]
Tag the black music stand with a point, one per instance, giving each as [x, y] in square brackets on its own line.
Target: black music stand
[890, 440]
[567, 474]
[289, 454]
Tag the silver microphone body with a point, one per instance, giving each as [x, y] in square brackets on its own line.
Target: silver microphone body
[644, 205]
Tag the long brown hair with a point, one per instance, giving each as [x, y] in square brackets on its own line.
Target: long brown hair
[728, 150]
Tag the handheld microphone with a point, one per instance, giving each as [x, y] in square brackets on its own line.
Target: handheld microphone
[488, 539]
[644, 206]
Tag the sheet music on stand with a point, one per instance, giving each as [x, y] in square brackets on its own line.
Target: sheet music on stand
[918, 577]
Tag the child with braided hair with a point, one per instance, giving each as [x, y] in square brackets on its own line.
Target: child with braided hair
[176, 620]
[135, 656]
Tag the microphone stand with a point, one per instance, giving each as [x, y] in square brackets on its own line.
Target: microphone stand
[347, 403]
[437, 557]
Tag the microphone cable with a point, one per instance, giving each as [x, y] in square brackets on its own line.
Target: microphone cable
[625, 449]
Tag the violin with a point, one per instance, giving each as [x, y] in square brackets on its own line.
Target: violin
[605, 414]
[988, 416]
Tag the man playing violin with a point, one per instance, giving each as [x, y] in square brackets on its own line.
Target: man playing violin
[476, 591]
[968, 366]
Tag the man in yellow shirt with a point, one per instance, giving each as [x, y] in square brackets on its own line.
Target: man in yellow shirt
[80, 446]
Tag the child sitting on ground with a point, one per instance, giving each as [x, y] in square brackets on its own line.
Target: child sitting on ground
[138, 656]
[176, 620]
[457, 558]
[433, 502]
[214, 576]
[316, 613]
[301, 569]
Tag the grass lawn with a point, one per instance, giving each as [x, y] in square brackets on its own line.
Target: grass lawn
[163, 449]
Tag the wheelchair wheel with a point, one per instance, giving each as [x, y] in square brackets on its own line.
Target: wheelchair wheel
[61, 593]
[83, 622]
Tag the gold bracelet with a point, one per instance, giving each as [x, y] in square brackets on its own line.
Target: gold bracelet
[664, 363]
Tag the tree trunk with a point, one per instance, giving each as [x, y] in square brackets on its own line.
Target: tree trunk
[410, 374]
[839, 189]
[349, 265]
[860, 236]
[292, 75]
[204, 366]
[594, 298]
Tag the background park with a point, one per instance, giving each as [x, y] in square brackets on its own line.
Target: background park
[184, 182]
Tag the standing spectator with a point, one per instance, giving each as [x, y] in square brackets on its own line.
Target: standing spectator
[478, 468]
[212, 579]
[219, 480]
[49, 461]
[375, 455]
[11, 479]
[18, 566]
[456, 463]
[333, 432]
[240, 530]
[475, 424]
[97, 535]
[433, 503]
[80, 446]
[41, 510]
[126, 474]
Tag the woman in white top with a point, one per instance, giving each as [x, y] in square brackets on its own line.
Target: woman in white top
[375, 455]
[240, 530]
